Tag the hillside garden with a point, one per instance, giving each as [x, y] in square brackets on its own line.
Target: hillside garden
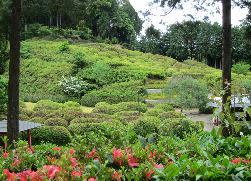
[112, 142]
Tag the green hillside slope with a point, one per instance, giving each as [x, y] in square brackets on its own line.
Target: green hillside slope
[43, 65]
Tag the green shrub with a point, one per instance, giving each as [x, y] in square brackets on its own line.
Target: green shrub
[244, 129]
[241, 68]
[107, 41]
[21, 104]
[178, 129]
[132, 106]
[98, 39]
[108, 109]
[115, 40]
[23, 117]
[92, 120]
[127, 119]
[102, 104]
[35, 97]
[127, 113]
[26, 112]
[99, 116]
[26, 50]
[58, 135]
[69, 115]
[56, 122]
[37, 120]
[42, 113]
[47, 105]
[154, 112]
[85, 128]
[165, 106]
[3, 94]
[149, 125]
[72, 104]
[113, 94]
[64, 46]
[170, 114]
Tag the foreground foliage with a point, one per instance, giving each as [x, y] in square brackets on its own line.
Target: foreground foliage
[124, 155]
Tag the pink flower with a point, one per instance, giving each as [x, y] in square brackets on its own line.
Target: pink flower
[92, 179]
[236, 160]
[116, 176]
[74, 173]
[56, 148]
[9, 175]
[116, 154]
[5, 155]
[72, 151]
[158, 166]
[92, 153]
[51, 170]
[15, 163]
[132, 160]
[148, 174]
[147, 148]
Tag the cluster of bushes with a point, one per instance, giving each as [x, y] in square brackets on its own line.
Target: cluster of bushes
[71, 120]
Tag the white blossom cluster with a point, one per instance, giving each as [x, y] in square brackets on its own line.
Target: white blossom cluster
[72, 86]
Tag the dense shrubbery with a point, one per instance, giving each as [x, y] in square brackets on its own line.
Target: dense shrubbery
[113, 94]
[154, 112]
[132, 106]
[171, 114]
[106, 109]
[165, 106]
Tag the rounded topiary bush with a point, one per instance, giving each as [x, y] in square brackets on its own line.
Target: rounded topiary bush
[69, 115]
[127, 119]
[102, 104]
[23, 117]
[58, 135]
[170, 114]
[91, 120]
[106, 109]
[132, 106]
[99, 116]
[48, 105]
[84, 128]
[165, 106]
[127, 113]
[149, 125]
[72, 104]
[154, 112]
[22, 104]
[37, 120]
[42, 113]
[26, 112]
[56, 122]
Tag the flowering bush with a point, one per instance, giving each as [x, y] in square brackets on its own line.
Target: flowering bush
[127, 156]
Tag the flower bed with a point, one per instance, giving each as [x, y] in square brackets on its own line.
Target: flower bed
[128, 156]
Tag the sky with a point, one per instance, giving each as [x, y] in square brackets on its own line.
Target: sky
[178, 15]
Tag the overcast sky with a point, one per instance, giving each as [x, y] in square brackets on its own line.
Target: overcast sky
[178, 15]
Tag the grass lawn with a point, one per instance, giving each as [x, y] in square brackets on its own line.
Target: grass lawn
[30, 106]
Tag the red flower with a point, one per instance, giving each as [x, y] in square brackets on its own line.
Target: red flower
[56, 148]
[117, 153]
[92, 179]
[116, 176]
[236, 160]
[92, 153]
[51, 170]
[74, 173]
[15, 163]
[72, 151]
[158, 166]
[9, 175]
[147, 148]
[132, 160]
[5, 155]
[148, 174]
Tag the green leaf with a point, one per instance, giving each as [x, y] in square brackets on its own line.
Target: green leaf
[109, 157]
[168, 168]
[235, 178]
[131, 133]
[198, 177]
[97, 164]
[183, 157]
[151, 140]
[213, 132]
[185, 124]
[216, 160]
[173, 172]
[220, 130]
[202, 124]
[142, 141]
[225, 162]
[240, 168]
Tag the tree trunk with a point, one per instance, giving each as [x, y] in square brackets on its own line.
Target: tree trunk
[226, 54]
[14, 70]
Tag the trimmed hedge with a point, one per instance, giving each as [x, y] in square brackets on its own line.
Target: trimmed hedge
[102, 104]
[113, 94]
[106, 109]
[48, 105]
[56, 122]
[84, 128]
[165, 106]
[98, 116]
[170, 114]
[154, 112]
[58, 135]
[92, 120]
[37, 120]
[132, 106]
[149, 125]
[69, 115]
[127, 113]
[26, 112]
[127, 119]
[23, 117]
